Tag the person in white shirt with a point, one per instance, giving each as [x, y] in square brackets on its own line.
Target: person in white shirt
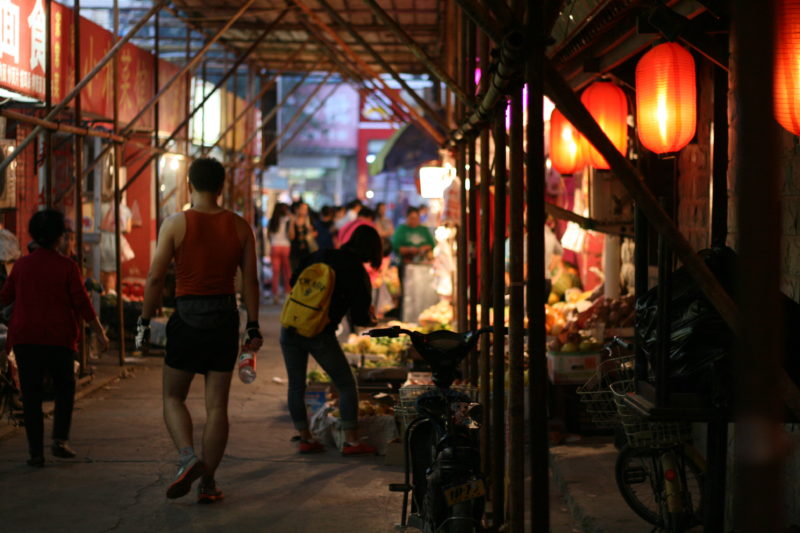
[279, 247]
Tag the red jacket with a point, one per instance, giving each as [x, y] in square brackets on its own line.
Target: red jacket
[49, 300]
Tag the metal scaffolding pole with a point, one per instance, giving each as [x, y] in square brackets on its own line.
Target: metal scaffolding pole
[472, 232]
[418, 52]
[275, 109]
[486, 275]
[568, 102]
[516, 346]
[78, 157]
[48, 105]
[264, 88]
[296, 114]
[498, 322]
[462, 277]
[117, 193]
[384, 64]
[761, 446]
[156, 124]
[539, 503]
[192, 63]
[78, 87]
[307, 119]
[186, 70]
[424, 124]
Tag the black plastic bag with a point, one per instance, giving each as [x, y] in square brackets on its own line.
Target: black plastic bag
[701, 343]
[699, 337]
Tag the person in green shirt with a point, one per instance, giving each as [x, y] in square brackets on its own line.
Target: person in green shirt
[412, 241]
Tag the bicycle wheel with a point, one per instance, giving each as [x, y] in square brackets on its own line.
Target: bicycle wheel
[639, 481]
[637, 477]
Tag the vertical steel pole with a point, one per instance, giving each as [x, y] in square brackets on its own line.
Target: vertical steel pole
[499, 311]
[48, 104]
[156, 120]
[761, 446]
[188, 94]
[203, 112]
[463, 223]
[117, 194]
[537, 358]
[486, 274]
[78, 157]
[469, 68]
[234, 150]
[516, 400]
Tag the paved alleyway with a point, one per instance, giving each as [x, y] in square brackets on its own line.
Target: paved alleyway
[126, 460]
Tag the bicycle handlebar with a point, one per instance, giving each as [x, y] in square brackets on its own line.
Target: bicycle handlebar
[619, 342]
[396, 331]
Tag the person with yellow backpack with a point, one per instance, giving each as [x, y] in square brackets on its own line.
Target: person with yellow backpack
[326, 286]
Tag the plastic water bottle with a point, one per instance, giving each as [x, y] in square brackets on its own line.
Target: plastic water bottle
[247, 366]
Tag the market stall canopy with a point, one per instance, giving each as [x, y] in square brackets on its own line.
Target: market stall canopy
[408, 148]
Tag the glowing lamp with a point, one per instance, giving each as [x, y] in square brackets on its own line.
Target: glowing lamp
[608, 105]
[786, 91]
[433, 181]
[666, 98]
[565, 145]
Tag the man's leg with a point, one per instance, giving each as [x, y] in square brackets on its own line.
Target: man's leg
[176, 415]
[215, 434]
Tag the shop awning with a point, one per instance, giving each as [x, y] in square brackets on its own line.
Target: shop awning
[408, 148]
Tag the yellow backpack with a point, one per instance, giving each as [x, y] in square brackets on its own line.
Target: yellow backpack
[306, 308]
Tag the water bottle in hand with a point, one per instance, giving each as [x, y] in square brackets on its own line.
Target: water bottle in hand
[247, 366]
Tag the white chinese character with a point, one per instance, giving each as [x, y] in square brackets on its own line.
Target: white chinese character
[9, 29]
[38, 24]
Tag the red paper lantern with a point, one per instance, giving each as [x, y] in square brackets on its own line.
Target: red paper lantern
[666, 104]
[787, 68]
[609, 107]
[565, 144]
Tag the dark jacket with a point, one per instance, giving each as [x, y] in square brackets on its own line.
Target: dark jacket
[352, 292]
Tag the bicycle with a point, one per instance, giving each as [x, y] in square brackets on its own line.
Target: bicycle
[442, 455]
[10, 404]
[658, 472]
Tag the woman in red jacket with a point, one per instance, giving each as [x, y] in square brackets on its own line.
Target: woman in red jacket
[49, 302]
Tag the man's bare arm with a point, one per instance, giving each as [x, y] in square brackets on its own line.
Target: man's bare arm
[165, 251]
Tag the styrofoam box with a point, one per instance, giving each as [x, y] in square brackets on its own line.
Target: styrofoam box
[567, 368]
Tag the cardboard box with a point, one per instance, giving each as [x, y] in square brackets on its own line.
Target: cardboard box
[572, 368]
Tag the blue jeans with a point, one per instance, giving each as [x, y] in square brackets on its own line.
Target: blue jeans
[325, 349]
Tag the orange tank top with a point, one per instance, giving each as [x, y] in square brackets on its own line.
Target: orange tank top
[211, 251]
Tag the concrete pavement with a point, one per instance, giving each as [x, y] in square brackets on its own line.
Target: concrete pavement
[126, 460]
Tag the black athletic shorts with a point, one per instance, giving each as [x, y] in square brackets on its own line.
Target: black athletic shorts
[199, 350]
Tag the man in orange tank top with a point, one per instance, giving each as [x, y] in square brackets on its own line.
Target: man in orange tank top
[209, 244]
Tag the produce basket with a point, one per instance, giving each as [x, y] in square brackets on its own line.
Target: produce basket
[642, 433]
[406, 408]
[596, 393]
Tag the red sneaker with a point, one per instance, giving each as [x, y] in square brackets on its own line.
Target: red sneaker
[209, 493]
[310, 446]
[360, 448]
